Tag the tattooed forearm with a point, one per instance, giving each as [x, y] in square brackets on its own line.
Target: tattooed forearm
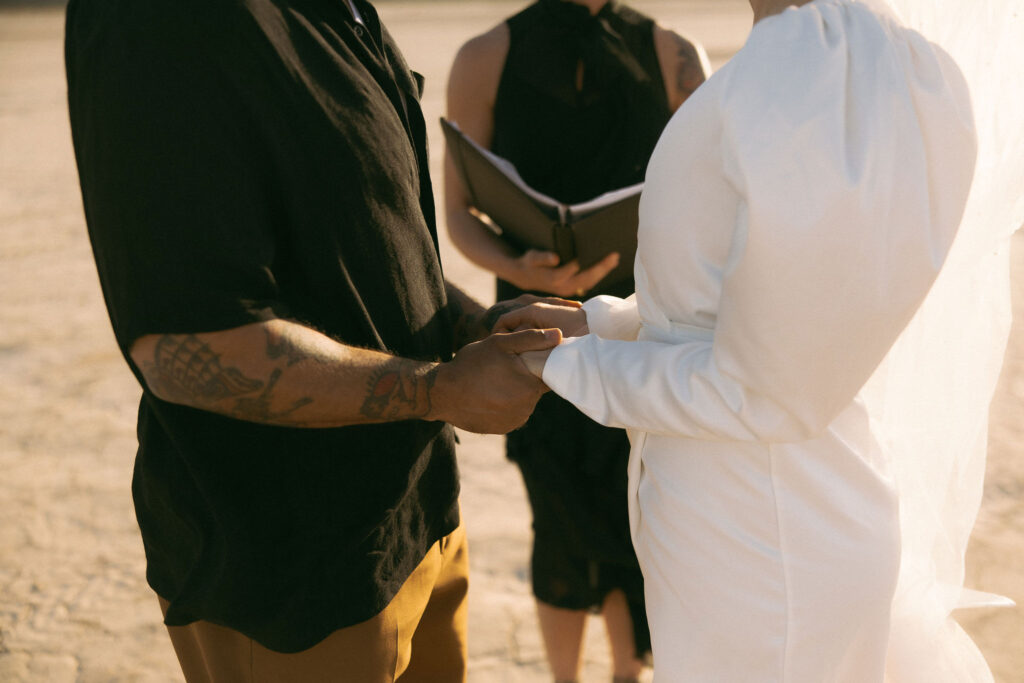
[399, 391]
[259, 409]
[281, 347]
[185, 370]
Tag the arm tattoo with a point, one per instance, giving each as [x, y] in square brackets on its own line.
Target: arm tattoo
[399, 391]
[281, 347]
[258, 409]
[186, 370]
[689, 72]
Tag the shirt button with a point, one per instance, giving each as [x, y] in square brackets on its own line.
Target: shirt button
[359, 30]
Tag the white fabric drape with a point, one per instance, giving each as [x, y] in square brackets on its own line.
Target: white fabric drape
[930, 398]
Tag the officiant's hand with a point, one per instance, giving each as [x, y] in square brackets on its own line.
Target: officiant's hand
[567, 317]
[540, 271]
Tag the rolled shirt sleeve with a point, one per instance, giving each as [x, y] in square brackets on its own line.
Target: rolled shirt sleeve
[850, 146]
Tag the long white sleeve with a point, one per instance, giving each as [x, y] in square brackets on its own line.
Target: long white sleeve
[838, 130]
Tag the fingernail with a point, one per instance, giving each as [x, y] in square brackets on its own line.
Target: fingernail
[552, 335]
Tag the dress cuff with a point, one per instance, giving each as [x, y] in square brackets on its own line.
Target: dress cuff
[612, 318]
[564, 365]
[572, 372]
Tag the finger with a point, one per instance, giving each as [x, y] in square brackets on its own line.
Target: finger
[509, 322]
[558, 301]
[565, 272]
[595, 273]
[538, 258]
[522, 318]
[529, 325]
[526, 299]
[528, 340]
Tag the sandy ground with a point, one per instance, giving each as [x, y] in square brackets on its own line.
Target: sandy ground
[73, 602]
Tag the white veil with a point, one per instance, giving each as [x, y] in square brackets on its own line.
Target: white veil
[930, 397]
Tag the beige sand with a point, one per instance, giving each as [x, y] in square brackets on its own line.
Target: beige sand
[74, 605]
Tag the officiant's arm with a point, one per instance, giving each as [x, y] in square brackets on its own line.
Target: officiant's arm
[684, 65]
[472, 89]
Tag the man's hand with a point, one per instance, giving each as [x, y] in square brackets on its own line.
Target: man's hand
[540, 271]
[568, 317]
[487, 388]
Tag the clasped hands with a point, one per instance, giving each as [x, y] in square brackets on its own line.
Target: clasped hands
[568, 317]
[492, 385]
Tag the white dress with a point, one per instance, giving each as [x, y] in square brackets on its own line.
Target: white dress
[796, 212]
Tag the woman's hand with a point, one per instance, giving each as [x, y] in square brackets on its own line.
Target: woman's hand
[535, 361]
[540, 271]
[544, 314]
[567, 316]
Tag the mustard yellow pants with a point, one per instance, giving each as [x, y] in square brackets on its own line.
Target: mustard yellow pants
[419, 638]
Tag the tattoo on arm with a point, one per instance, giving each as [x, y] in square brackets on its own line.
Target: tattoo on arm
[186, 370]
[689, 71]
[258, 409]
[399, 391]
[281, 347]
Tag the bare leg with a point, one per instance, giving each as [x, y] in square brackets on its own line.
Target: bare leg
[562, 630]
[619, 625]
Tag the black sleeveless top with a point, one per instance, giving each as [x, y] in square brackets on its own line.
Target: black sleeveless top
[574, 144]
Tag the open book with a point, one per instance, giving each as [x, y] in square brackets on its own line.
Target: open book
[529, 219]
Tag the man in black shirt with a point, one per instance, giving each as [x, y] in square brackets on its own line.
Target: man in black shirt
[254, 177]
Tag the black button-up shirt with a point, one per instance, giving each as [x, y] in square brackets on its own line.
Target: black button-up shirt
[243, 160]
